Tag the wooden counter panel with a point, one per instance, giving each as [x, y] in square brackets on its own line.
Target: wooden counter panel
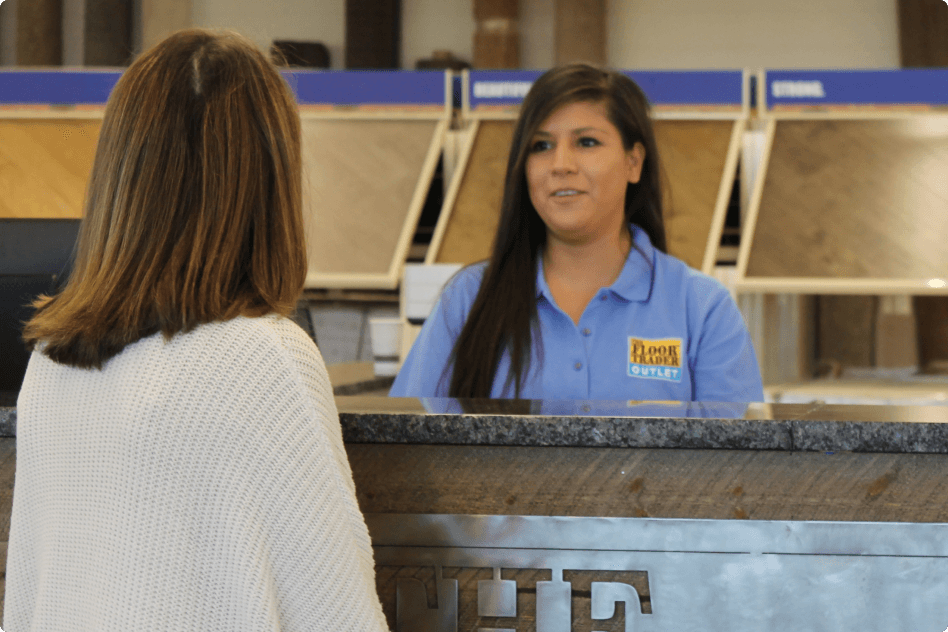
[45, 166]
[854, 199]
[612, 482]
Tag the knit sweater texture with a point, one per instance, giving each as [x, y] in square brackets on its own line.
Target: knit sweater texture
[194, 484]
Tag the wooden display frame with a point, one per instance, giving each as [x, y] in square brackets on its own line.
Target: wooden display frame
[473, 120]
[314, 279]
[389, 279]
[824, 285]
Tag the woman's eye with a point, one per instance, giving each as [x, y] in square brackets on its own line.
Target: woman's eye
[539, 145]
[588, 141]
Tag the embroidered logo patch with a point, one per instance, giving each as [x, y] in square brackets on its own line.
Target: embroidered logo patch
[658, 359]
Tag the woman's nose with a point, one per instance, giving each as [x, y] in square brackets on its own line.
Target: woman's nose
[564, 159]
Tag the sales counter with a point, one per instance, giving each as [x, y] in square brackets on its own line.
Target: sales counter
[555, 515]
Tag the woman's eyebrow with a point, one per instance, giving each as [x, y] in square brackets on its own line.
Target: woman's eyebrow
[578, 130]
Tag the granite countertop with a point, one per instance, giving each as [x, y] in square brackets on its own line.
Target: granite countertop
[688, 425]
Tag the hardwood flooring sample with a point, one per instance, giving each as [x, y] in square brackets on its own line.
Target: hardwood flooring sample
[359, 183]
[864, 199]
[693, 154]
[45, 166]
[473, 220]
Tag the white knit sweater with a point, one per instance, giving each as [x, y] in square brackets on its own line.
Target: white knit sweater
[198, 484]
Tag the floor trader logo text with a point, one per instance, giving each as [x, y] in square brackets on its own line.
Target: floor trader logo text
[658, 359]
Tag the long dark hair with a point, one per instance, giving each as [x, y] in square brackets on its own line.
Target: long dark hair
[194, 207]
[504, 314]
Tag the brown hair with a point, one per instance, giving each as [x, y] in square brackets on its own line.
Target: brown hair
[504, 314]
[194, 208]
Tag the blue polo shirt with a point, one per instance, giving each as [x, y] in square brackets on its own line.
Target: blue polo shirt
[662, 331]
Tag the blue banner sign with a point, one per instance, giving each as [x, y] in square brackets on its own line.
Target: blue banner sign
[695, 88]
[346, 88]
[57, 87]
[914, 86]
[368, 87]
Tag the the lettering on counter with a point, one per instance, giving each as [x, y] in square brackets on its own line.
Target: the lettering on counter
[497, 601]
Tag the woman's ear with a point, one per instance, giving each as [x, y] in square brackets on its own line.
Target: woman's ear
[635, 158]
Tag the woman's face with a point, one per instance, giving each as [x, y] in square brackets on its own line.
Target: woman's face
[577, 173]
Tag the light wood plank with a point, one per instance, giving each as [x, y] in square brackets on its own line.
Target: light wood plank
[693, 154]
[363, 184]
[853, 199]
[45, 165]
[472, 222]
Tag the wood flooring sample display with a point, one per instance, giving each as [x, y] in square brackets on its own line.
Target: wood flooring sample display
[359, 180]
[854, 199]
[473, 220]
[693, 154]
[45, 166]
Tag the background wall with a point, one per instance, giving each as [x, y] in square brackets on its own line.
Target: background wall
[753, 34]
[641, 33]
[263, 22]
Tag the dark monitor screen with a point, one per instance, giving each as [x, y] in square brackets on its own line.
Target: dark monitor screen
[35, 255]
[17, 292]
[37, 246]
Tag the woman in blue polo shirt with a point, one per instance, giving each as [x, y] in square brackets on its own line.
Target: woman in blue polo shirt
[579, 299]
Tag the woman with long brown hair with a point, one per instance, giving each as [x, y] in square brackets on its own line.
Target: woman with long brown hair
[179, 457]
[579, 299]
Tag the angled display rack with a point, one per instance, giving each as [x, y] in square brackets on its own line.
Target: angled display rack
[371, 143]
[699, 120]
[852, 196]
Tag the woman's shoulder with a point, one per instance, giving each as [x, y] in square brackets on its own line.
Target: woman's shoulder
[467, 278]
[246, 347]
[676, 275]
[461, 289]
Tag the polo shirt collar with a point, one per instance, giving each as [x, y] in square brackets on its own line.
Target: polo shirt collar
[635, 280]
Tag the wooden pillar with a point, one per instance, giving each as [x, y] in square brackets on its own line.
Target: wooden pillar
[39, 33]
[373, 33]
[580, 31]
[923, 33]
[108, 33]
[8, 33]
[496, 35]
[160, 18]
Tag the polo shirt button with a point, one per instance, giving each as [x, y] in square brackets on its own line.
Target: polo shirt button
[602, 297]
[586, 331]
[578, 366]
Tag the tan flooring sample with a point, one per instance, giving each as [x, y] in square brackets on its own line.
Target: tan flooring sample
[359, 177]
[693, 154]
[854, 199]
[476, 213]
[45, 166]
